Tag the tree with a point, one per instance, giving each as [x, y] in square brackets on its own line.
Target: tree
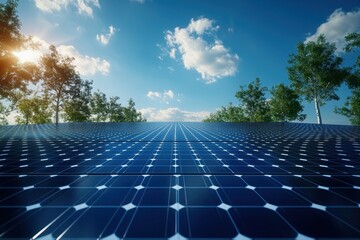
[316, 73]
[98, 107]
[58, 75]
[229, 113]
[353, 43]
[253, 102]
[351, 108]
[34, 110]
[115, 110]
[77, 106]
[130, 113]
[13, 74]
[285, 104]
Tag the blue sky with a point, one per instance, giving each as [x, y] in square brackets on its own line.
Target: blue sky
[180, 60]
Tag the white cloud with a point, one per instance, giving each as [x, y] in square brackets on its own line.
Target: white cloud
[85, 65]
[153, 95]
[83, 6]
[201, 25]
[211, 59]
[172, 53]
[51, 5]
[337, 26]
[165, 97]
[169, 94]
[105, 38]
[172, 115]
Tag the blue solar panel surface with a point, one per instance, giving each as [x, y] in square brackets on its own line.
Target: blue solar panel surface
[179, 180]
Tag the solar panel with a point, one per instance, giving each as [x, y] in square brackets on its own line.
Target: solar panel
[179, 180]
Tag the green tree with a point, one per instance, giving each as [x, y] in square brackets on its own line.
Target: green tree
[351, 108]
[115, 110]
[353, 44]
[98, 107]
[130, 113]
[253, 102]
[285, 104]
[34, 110]
[229, 113]
[77, 106]
[13, 74]
[316, 72]
[58, 75]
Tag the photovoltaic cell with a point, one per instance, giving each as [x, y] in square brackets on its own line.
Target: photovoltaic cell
[179, 180]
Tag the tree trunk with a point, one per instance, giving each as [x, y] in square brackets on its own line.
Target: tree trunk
[57, 111]
[318, 113]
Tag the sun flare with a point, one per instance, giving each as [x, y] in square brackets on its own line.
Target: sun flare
[27, 55]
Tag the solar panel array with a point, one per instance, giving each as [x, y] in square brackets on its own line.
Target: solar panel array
[179, 180]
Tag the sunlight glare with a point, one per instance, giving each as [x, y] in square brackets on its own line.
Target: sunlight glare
[28, 55]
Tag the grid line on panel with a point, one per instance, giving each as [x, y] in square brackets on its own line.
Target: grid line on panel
[199, 180]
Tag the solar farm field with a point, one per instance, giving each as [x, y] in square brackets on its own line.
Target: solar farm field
[179, 180]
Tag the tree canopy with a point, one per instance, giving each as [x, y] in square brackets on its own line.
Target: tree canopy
[285, 104]
[351, 108]
[35, 110]
[229, 113]
[13, 74]
[59, 75]
[353, 45]
[316, 72]
[77, 105]
[253, 102]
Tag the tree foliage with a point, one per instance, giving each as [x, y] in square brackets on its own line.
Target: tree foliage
[316, 72]
[351, 108]
[115, 110]
[77, 105]
[34, 110]
[285, 104]
[98, 107]
[130, 113]
[229, 113]
[59, 75]
[253, 102]
[353, 44]
[103, 110]
[13, 74]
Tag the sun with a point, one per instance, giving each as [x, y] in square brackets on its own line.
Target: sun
[27, 55]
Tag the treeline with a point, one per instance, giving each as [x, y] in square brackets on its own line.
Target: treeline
[315, 73]
[61, 92]
[284, 105]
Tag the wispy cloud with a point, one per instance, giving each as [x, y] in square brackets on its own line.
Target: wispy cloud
[164, 97]
[337, 26]
[85, 65]
[83, 6]
[138, 1]
[172, 115]
[105, 38]
[210, 58]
